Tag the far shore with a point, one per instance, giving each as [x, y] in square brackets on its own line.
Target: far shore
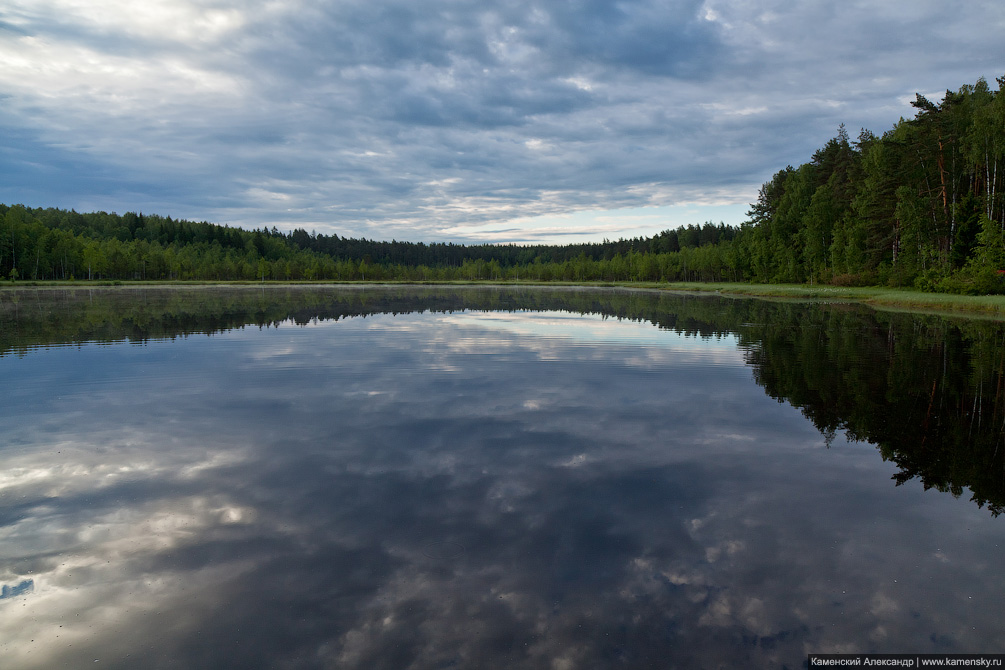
[877, 297]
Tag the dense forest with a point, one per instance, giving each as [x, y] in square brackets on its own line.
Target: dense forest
[38, 244]
[922, 205]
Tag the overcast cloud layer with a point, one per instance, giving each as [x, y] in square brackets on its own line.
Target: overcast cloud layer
[450, 120]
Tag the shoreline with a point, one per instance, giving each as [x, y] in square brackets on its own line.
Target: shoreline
[877, 297]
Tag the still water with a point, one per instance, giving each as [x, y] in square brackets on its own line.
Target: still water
[490, 478]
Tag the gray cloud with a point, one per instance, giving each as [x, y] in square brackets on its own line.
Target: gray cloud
[396, 119]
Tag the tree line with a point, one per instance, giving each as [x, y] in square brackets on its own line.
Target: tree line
[50, 243]
[922, 205]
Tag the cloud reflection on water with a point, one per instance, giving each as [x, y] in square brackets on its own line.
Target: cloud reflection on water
[474, 489]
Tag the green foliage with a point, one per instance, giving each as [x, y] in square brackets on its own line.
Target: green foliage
[902, 210]
[985, 272]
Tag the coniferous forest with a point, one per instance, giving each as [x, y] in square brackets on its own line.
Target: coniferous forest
[922, 205]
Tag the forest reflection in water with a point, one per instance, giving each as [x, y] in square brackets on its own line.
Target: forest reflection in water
[478, 477]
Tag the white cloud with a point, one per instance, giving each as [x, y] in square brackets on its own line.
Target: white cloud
[157, 20]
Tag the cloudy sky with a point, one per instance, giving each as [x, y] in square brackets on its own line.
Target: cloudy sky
[444, 120]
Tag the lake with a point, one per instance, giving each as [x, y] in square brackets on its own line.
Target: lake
[477, 477]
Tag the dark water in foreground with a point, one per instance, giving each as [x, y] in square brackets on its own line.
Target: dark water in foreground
[462, 478]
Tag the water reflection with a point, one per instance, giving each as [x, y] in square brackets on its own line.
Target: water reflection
[444, 484]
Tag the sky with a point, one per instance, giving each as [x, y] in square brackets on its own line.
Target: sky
[524, 121]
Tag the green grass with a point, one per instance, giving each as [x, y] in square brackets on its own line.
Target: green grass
[880, 297]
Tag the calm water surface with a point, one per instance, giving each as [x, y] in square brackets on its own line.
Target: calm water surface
[379, 478]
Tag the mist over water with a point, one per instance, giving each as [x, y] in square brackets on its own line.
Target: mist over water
[405, 478]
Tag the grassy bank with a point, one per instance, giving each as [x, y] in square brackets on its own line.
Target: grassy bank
[879, 297]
